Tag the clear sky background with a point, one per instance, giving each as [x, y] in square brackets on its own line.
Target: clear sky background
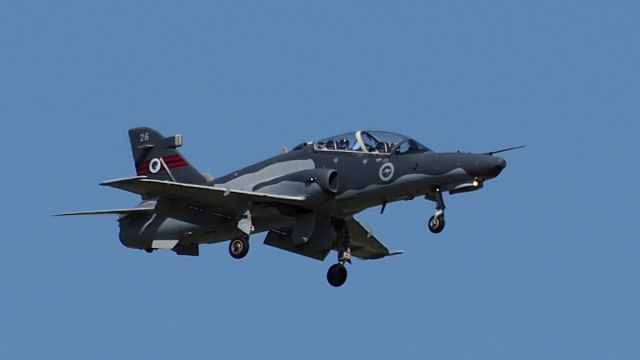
[541, 264]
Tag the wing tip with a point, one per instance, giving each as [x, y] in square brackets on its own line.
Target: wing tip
[125, 179]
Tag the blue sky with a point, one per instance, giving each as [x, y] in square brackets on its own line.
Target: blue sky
[541, 264]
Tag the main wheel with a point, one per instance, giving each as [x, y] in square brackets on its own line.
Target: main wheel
[337, 275]
[239, 247]
[436, 224]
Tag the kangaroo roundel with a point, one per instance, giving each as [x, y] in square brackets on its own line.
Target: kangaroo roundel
[154, 165]
[386, 171]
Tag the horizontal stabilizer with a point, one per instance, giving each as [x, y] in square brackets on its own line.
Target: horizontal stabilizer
[109, 212]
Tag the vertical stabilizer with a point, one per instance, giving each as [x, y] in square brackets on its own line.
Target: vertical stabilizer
[157, 157]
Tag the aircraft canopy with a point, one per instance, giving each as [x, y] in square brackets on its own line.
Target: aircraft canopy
[380, 142]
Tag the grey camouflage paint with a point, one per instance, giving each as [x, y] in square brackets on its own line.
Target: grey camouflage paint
[363, 180]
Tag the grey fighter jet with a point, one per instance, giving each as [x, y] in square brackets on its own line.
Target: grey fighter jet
[305, 199]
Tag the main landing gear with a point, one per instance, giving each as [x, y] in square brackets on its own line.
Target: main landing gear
[239, 247]
[337, 274]
[436, 222]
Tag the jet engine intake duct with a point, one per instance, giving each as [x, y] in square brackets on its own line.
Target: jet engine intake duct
[332, 182]
[327, 179]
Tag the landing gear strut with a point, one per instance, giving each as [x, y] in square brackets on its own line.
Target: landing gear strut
[239, 247]
[436, 222]
[337, 274]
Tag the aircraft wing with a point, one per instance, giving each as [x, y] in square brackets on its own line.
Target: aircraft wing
[199, 195]
[364, 244]
[139, 210]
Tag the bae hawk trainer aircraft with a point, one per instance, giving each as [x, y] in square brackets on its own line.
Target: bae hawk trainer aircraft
[304, 198]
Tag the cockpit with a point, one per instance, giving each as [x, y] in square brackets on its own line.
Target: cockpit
[375, 142]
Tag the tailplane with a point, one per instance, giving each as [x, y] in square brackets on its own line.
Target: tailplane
[157, 157]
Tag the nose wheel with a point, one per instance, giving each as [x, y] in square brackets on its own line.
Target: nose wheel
[239, 247]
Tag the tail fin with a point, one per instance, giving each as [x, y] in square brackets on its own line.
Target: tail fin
[157, 157]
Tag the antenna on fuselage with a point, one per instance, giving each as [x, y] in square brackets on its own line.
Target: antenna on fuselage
[505, 150]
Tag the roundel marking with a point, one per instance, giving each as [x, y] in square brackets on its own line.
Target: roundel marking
[154, 165]
[386, 171]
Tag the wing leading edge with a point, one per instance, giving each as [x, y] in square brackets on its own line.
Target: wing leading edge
[208, 196]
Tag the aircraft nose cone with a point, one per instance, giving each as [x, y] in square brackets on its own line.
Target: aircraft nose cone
[500, 164]
[481, 166]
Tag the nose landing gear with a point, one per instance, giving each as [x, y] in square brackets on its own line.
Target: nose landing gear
[436, 222]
